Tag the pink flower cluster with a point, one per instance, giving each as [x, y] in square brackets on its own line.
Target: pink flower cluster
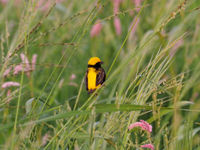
[137, 4]
[44, 5]
[116, 4]
[96, 29]
[9, 84]
[148, 146]
[24, 66]
[3, 1]
[45, 139]
[117, 23]
[72, 82]
[143, 124]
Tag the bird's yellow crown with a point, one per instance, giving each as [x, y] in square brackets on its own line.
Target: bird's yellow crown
[93, 60]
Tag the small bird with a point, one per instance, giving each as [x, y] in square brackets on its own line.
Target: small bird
[95, 75]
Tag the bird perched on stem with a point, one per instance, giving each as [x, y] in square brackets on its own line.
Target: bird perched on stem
[95, 75]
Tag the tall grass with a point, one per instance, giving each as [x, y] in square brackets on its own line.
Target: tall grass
[152, 75]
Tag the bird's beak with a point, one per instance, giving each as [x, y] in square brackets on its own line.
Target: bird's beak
[101, 62]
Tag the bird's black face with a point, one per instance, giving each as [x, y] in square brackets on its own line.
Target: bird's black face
[96, 66]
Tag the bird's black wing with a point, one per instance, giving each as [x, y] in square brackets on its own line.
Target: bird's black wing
[86, 80]
[101, 76]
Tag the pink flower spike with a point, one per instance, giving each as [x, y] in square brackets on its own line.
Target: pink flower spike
[117, 25]
[9, 84]
[45, 139]
[34, 59]
[136, 124]
[148, 146]
[137, 4]
[4, 1]
[9, 93]
[143, 124]
[73, 76]
[23, 57]
[96, 29]
[46, 6]
[17, 69]
[9, 96]
[7, 71]
[116, 4]
[25, 61]
[148, 127]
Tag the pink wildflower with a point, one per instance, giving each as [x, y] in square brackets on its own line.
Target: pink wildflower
[9, 93]
[45, 139]
[137, 4]
[96, 29]
[26, 62]
[46, 6]
[34, 58]
[25, 65]
[117, 25]
[73, 76]
[148, 146]
[148, 127]
[7, 71]
[23, 57]
[143, 124]
[136, 124]
[9, 96]
[17, 69]
[116, 4]
[9, 84]
[4, 1]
